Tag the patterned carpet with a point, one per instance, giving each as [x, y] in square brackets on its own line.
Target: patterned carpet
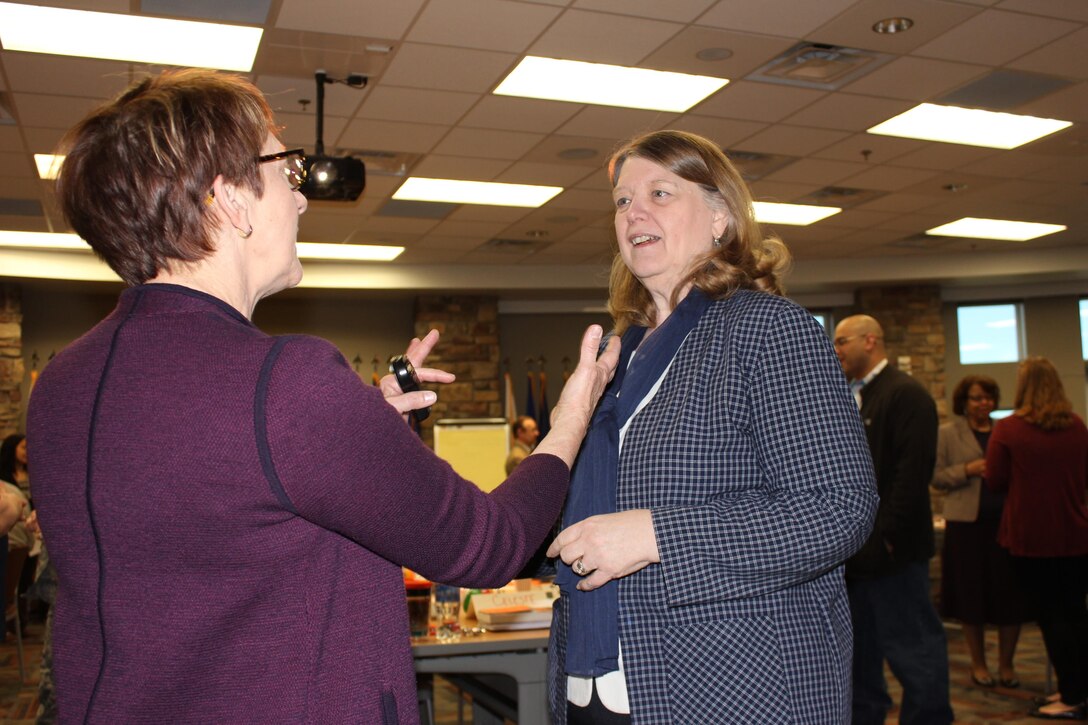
[972, 704]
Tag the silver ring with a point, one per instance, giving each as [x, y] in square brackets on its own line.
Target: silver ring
[579, 568]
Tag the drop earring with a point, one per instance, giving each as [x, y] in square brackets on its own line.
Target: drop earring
[244, 235]
[717, 242]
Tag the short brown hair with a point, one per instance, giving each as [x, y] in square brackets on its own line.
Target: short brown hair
[959, 395]
[1040, 395]
[138, 169]
[746, 259]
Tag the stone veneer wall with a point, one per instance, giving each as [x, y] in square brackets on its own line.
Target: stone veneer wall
[913, 332]
[468, 348]
[12, 368]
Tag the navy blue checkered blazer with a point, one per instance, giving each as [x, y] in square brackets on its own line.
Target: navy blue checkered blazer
[753, 460]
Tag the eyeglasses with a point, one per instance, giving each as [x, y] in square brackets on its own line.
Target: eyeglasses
[294, 167]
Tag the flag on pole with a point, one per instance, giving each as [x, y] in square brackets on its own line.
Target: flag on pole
[511, 406]
[544, 421]
[530, 397]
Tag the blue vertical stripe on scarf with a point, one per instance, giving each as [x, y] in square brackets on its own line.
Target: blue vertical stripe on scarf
[593, 633]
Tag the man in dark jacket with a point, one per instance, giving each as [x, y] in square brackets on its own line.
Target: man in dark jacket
[888, 580]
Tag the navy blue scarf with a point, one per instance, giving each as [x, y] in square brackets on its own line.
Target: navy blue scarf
[593, 634]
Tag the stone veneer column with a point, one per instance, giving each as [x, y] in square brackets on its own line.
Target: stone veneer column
[913, 332]
[468, 348]
[11, 359]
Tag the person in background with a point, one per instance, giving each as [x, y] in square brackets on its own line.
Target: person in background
[888, 580]
[12, 510]
[525, 433]
[14, 483]
[228, 512]
[724, 480]
[1039, 456]
[978, 584]
[13, 462]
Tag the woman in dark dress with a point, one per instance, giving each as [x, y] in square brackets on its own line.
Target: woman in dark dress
[978, 585]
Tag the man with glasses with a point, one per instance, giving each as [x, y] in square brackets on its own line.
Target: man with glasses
[888, 579]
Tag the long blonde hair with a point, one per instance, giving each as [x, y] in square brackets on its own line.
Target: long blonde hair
[1040, 395]
[745, 259]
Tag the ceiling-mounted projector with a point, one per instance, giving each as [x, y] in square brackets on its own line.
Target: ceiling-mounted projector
[332, 178]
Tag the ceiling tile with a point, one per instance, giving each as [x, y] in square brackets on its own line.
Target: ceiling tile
[17, 166]
[591, 152]
[1067, 56]
[854, 27]
[757, 101]
[900, 203]
[773, 17]
[724, 131]
[774, 190]
[534, 172]
[792, 140]
[371, 18]
[577, 35]
[435, 166]
[615, 123]
[995, 37]
[391, 136]
[583, 199]
[487, 144]
[300, 129]
[816, 171]
[1069, 104]
[284, 95]
[848, 112]
[880, 149]
[1068, 9]
[389, 103]
[448, 69]
[45, 111]
[944, 156]
[508, 26]
[504, 215]
[1010, 164]
[520, 114]
[479, 229]
[888, 178]
[915, 79]
[83, 77]
[681, 11]
[746, 52]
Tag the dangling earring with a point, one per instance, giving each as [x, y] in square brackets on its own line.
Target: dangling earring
[244, 235]
[717, 242]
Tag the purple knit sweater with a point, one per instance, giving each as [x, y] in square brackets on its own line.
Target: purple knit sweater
[228, 513]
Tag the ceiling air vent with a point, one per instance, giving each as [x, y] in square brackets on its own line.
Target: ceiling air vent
[513, 246]
[820, 66]
[841, 196]
[754, 165]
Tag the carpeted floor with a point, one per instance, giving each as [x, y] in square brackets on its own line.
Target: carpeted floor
[972, 704]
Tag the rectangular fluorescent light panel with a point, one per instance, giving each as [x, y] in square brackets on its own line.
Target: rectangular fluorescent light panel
[43, 240]
[974, 228]
[796, 214]
[607, 85]
[453, 191]
[48, 165]
[348, 252]
[306, 250]
[968, 126]
[138, 39]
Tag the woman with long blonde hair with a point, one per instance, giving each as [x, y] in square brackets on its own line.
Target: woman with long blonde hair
[1040, 456]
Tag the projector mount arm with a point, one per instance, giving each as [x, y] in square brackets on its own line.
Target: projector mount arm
[355, 80]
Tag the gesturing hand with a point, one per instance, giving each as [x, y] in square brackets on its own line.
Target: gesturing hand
[610, 546]
[418, 350]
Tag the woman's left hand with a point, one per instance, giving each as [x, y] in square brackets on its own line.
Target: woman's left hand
[610, 546]
[417, 352]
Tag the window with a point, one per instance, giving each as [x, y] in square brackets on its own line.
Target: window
[1084, 328]
[989, 333]
[823, 318]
